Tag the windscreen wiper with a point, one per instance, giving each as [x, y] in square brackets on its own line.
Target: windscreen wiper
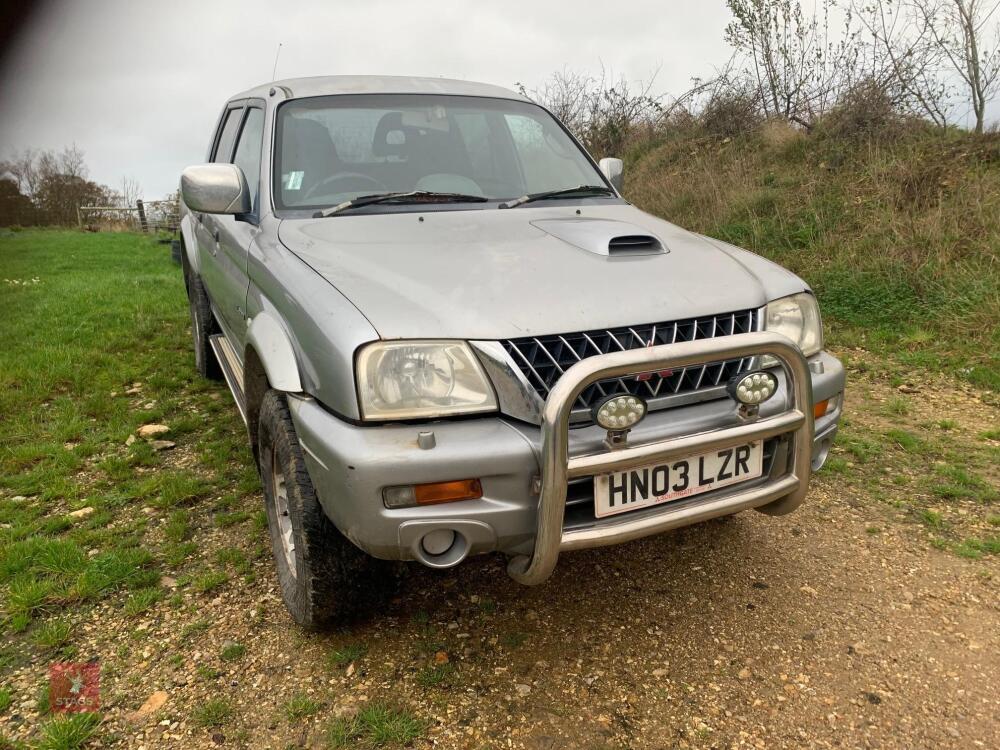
[410, 196]
[579, 189]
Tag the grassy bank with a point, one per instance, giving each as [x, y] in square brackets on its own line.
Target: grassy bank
[899, 236]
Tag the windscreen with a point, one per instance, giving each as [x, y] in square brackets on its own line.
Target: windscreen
[336, 148]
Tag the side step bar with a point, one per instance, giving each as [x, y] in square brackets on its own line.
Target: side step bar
[232, 370]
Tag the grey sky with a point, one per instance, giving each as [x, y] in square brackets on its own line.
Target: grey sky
[138, 85]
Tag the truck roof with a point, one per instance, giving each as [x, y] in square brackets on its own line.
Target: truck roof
[326, 85]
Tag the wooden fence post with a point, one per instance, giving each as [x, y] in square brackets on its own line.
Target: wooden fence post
[142, 216]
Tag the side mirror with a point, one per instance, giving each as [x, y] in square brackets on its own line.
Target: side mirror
[613, 169]
[215, 189]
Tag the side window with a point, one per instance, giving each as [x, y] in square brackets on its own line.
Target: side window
[224, 147]
[247, 156]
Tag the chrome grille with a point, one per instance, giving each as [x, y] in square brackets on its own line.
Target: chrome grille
[544, 359]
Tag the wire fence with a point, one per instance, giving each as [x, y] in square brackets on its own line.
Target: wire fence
[145, 216]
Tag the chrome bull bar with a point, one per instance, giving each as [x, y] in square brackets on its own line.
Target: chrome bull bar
[557, 467]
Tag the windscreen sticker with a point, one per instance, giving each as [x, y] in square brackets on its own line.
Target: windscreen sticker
[293, 180]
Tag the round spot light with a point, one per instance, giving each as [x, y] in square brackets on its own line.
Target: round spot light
[619, 412]
[753, 388]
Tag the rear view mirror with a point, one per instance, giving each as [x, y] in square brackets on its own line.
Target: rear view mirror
[613, 169]
[215, 189]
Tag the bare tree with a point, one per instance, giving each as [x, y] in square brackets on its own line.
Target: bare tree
[22, 166]
[565, 94]
[55, 183]
[68, 163]
[799, 71]
[902, 59]
[130, 192]
[616, 109]
[729, 104]
[779, 44]
[960, 28]
[601, 111]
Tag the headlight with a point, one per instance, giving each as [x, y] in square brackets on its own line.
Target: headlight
[797, 317]
[421, 379]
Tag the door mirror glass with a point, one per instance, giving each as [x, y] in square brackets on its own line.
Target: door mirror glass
[613, 169]
[215, 189]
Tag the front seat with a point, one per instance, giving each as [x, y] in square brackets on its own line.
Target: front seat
[307, 149]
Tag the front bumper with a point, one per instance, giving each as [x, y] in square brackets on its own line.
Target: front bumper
[525, 469]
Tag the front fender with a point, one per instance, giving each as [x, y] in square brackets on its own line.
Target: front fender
[268, 338]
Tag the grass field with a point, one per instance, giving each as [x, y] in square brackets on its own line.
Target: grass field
[103, 530]
[94, 344]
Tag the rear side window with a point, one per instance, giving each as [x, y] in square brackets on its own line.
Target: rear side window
[224, 146]
[247, 156]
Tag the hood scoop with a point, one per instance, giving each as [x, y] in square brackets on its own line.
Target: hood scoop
[612, 239]
[634, 244]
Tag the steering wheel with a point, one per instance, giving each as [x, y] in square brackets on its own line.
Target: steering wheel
[364, 179]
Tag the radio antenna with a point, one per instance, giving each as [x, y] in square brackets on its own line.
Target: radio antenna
[275, 69]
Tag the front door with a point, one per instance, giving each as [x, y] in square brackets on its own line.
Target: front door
[229, 237]
[234, 234]
[213, 265]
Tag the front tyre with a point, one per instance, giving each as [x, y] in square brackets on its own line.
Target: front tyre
[325, 580]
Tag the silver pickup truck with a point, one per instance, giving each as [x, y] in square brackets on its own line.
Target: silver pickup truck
[449, 335]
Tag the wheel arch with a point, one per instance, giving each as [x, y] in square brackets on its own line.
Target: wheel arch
[269, 362]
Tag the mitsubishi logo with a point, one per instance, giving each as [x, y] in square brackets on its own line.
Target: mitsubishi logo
[642, 377]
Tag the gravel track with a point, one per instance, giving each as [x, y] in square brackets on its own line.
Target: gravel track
[806, 631]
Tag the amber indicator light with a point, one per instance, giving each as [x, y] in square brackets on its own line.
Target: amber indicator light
[447, 492]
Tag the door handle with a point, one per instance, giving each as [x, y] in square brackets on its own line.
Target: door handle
[215, 235]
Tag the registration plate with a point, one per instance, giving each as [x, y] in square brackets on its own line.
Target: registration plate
[672, 480]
